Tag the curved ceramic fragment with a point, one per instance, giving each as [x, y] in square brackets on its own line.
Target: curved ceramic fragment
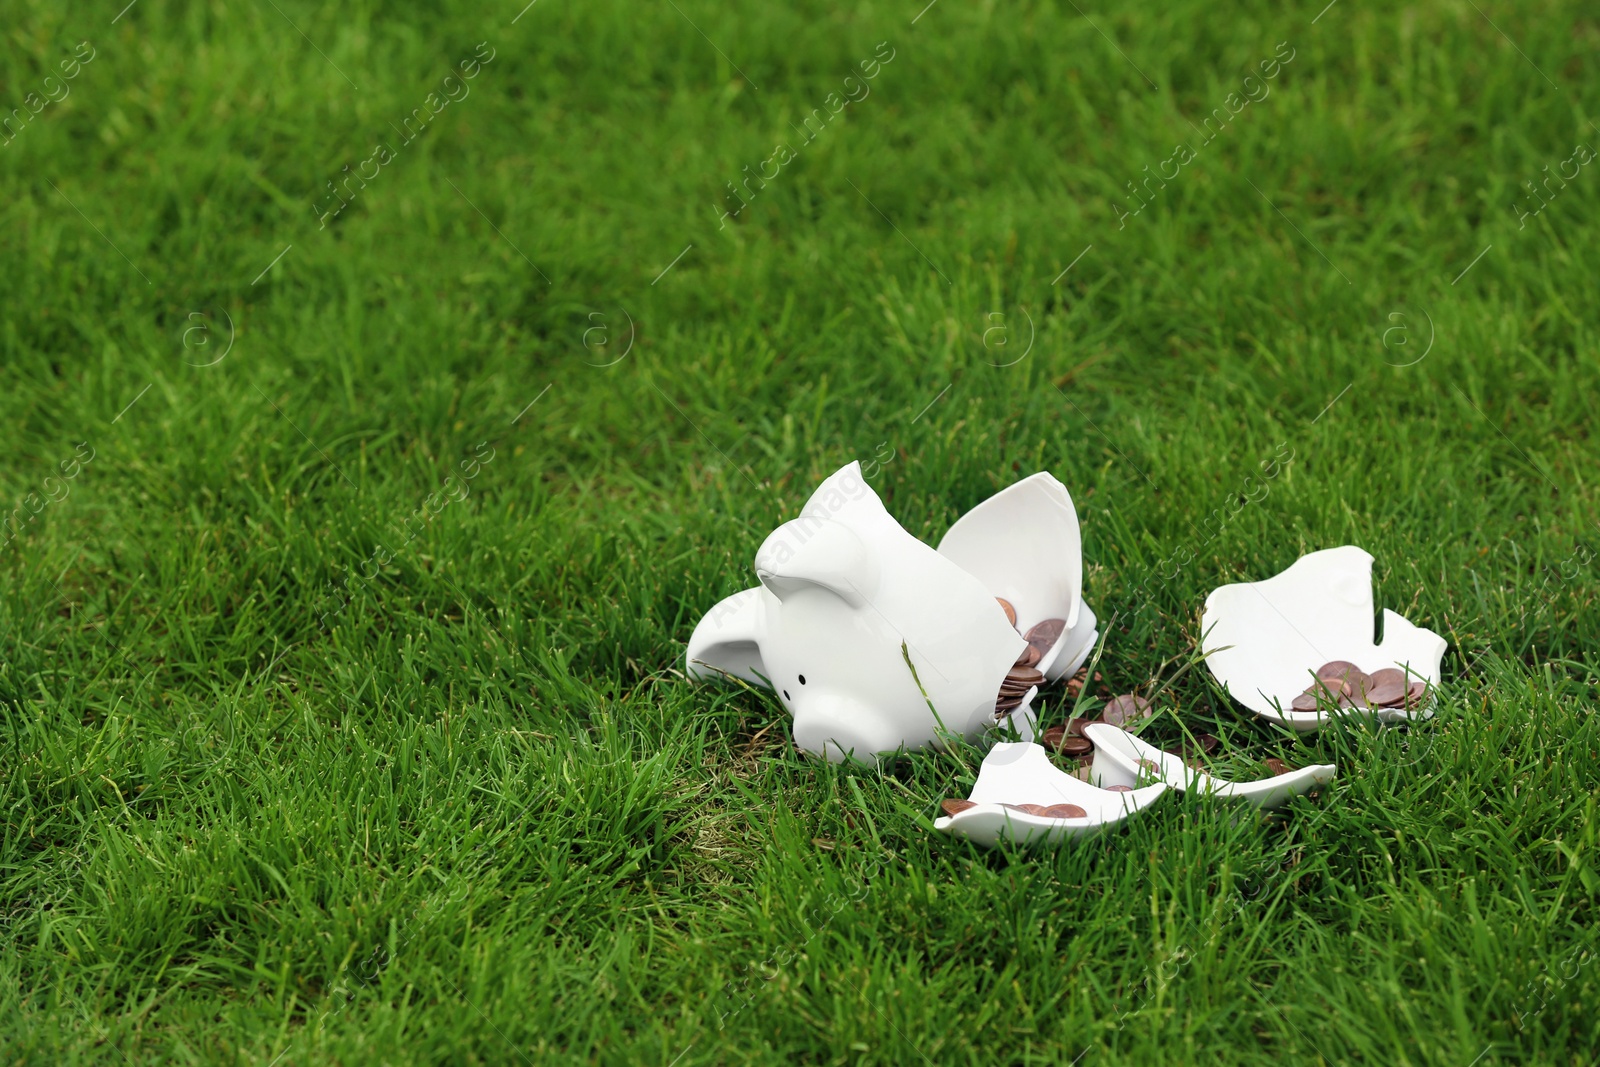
[1270, 636]
[1024, 545]
[874, 640]
[1118, 755]
[1021, 773]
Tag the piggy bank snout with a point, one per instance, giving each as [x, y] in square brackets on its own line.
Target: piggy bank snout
[840, 727]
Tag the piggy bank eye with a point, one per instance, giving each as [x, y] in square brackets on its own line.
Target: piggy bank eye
[802, 679]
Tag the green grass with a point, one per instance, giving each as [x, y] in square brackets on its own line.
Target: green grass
[287, 779]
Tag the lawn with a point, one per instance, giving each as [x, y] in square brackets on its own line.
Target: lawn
[390, 388]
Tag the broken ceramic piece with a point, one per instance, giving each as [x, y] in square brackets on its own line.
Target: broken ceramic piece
[1021, 773]
[1270, 636]
[1118, 756]
[1023, 544]
[877, 642]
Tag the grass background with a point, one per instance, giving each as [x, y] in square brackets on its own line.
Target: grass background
[270, 798]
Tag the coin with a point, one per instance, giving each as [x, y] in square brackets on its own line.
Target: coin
[1277, 766]
[1026, 809]
[1328, 688]
[1338, 668]
[1011, 612]
[1416, 693]
[1387, 686]
[1077, 746]
[1024, 676]
[1202, 745]
[1044, 635]
[1146, 765]
[1306, 701]
[1119, 788]
[1052, 737]
[1030, 656]
[1125, 709]
[1064, 811]
[956, 807]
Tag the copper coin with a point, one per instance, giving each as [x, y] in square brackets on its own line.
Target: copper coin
[1052, 737]
[956, 807]
[1416, 693]
[1328, 688]
[1044, 635]
[1339, 668]
[1277, 766]
[1119, 788]
[1387, 686]
[1030, 657]
[1025, 676]
[1203, 745]
[1125, 709]
[1011, 612]
[1026, 809]
[1064, 811]
[1146, 765]
[1304, 702]
[1077, 746]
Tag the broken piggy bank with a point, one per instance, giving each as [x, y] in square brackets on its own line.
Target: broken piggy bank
[877, 642]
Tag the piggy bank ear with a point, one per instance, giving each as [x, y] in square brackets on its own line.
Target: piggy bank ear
[728, 639]
[813, 553]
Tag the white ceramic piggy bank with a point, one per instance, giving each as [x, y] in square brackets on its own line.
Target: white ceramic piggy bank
[876, 641]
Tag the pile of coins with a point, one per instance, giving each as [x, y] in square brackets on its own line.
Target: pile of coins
[1070, 740]
[1339, 680]
[1341, 684]
[1024, 674]
[1049, 811]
